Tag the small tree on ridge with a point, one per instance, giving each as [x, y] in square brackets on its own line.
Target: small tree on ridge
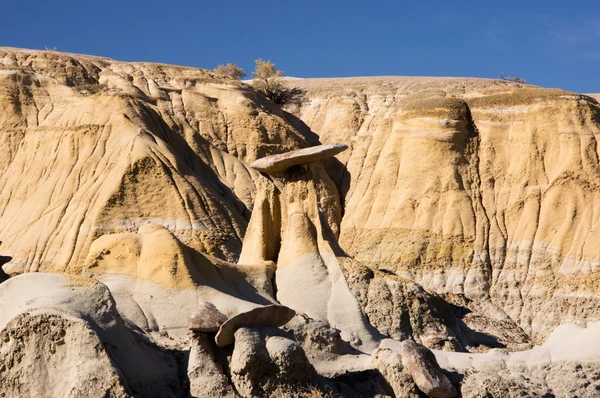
[269, 81]
[515, 79]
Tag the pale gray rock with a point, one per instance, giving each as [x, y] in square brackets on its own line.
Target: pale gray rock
[389, 363]
[316, 335]
[205, 374]
[281, 162]
[422, 366]
[55, 354]
[62, 336]
[250, 363]
[206, 319]
[263, 365]
[269, 315]
[560, 379]
[292, 364]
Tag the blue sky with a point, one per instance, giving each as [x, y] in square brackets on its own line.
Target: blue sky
[549, 43]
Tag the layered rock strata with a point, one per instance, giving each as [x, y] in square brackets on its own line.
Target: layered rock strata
[462, 216]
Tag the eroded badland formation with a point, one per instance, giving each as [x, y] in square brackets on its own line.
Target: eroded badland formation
[445, 242]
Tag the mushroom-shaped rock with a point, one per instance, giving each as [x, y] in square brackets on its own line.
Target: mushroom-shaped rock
[422, 366]
[281, 162]
[206, 319]
[269, 315]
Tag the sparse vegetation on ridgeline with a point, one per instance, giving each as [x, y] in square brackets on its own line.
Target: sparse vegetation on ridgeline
[269, 81]
[90, 88]
[230, 70]
[516, 79]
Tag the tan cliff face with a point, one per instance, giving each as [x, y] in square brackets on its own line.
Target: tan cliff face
[473, 187]
[469, 186]
[92, 146]
[460, 214]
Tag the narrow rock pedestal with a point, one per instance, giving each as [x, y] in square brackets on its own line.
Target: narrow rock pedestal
[422, 366]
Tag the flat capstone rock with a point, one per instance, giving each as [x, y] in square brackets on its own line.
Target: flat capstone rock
[281, 162]
[269, 315]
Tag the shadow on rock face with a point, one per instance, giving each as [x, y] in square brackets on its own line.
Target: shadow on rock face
[367, 383]
[3, 275]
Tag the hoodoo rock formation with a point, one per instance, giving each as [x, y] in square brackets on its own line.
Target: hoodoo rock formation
[167, 232]
[268, 315]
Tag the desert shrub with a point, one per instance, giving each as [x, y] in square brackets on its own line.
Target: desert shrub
[515, 79]
[230, 70]
[269, 81]
[90, 88]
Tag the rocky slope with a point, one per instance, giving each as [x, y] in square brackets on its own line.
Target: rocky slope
[482, 188]
[109, 146]
[462, 216]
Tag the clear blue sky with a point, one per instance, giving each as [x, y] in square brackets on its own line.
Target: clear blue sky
[549, 43]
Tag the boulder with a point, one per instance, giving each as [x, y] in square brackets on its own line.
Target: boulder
[56, 355]
[281, 162]
[422, 366]
[389, 363]
[269, 315]
[62, 336]
[206, 319]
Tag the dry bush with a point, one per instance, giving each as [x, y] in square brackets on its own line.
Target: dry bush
[515, 79]
[269, 81]
[90, 88]
[230, 70]
[314, 392]
[310, 391]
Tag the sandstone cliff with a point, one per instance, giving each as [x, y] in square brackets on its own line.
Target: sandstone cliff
[110, 146]
[482, 188]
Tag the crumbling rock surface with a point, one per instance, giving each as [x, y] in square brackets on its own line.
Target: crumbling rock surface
[56, 355]
[205, 373]
[561, 380]
[62, 335]
[262, 365]
[401, 309]
[566, 365]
